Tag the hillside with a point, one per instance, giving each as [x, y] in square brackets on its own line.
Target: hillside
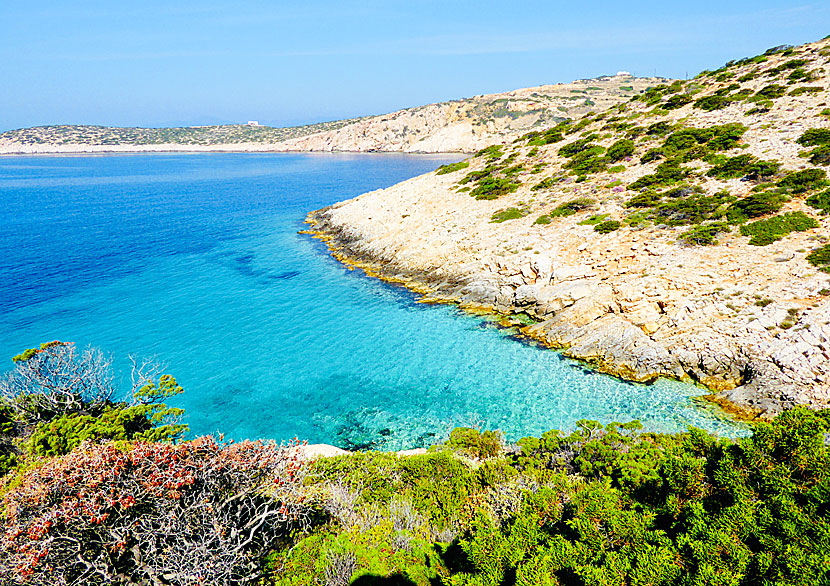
[680, 234]
[457, 126]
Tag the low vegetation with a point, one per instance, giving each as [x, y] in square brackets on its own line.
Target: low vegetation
[599, 505]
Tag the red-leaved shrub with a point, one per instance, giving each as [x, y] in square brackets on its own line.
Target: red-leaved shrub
[200, 512]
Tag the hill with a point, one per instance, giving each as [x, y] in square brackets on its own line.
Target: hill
[682, 233]
[457, 126]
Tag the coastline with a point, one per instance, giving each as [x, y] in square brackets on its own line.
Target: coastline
[435, 293]
[747, 381]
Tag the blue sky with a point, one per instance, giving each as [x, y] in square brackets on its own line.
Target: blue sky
[159, 63]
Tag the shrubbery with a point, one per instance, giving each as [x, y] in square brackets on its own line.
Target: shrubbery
[767, 231]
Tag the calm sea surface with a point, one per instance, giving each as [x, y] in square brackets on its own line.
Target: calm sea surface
[196, 259]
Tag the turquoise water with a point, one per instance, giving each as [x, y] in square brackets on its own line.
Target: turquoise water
[196, 259]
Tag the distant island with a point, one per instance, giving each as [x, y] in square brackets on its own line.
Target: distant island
[457, 126]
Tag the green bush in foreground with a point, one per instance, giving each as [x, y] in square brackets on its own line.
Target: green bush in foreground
[602, 505]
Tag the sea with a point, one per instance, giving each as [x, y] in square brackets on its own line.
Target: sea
[196, 260]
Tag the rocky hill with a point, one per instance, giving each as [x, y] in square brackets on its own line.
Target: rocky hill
[458, 126]
[682, 233]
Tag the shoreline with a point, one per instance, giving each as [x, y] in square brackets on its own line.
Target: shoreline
[429, 290]
[274, 148]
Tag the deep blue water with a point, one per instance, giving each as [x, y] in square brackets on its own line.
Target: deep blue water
[196, 259]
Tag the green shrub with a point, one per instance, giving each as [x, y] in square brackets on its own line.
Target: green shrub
[485, 444]
[545, 183]
[607, 226]
[543, 219]
[764, 232]
[452, 167]
[493, 187]
[676, 101]
[820, 155]
[769, 92]
[820, 201]
[587, 161]
[713, 102]
[491, 152]
[815, 137]
[571, 207]
[666, 173]
[754, 205]
[704, 234]
[578, 146]
[820, 258]
[593, 220]
[801, 181]
[550, 136]
[508, 214]
[806, 89]
[620, 150]
[732, 168]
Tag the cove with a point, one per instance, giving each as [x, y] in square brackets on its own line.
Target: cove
[196, 259]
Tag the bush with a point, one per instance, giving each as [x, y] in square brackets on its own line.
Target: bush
[492, 152]
[764, 232]
[754, 205]
[704, 235]
[713, 102]
[452, 167]
[801, 181]
[493, 187]
[571, 207]
[197, 512]
[508, 214]
[820, 258]
[578, 146]
[620, 150]
[732, 168]
[820, 155]
[815, 137]
[667, 173]
[607, 226]
[820, 201]
[676, 101]
[806, 89]
[471, 442]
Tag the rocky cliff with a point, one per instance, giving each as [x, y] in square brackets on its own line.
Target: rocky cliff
[681, 233]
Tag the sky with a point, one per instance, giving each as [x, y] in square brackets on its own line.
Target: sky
[168, 62]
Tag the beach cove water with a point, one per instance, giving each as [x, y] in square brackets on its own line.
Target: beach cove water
[196, 259]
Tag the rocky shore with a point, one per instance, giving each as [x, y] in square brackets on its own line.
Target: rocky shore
[634, 308]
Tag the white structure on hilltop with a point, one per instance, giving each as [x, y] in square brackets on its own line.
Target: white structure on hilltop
[621, 73]
[253, 123]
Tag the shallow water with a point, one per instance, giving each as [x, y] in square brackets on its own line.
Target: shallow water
[196, 259]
